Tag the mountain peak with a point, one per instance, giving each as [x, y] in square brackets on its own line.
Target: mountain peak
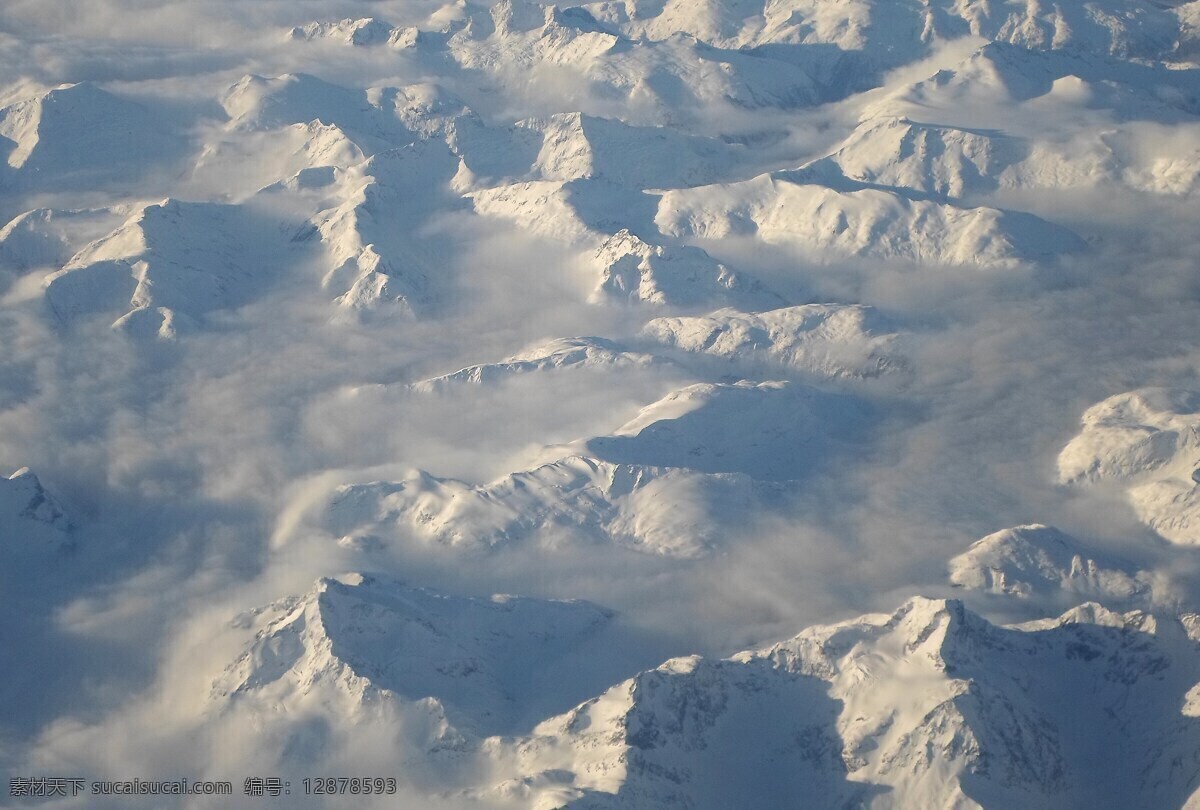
[25, 506]
[363, 31]
[355, 640]
[633, 270]
[827, 340]
[1037, 561]
[1148, 441]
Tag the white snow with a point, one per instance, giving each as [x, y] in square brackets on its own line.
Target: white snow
[633, 271]
[930, 706]
[770, 431]
[374, 260]
[578, 146]
[670, 306]
[1036, 561]
[1149, 442]
[172, 261]
[672, 481]
[561, 353]
[80, 134]
[827, 340]
[654, 510]
[791, 208]
[364, 31]
[358, 644]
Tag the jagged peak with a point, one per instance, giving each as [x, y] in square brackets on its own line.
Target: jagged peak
[1095, 614]
[25, 499]
[358, 640]
[361, 31]
[1040, 561]
[830, 340]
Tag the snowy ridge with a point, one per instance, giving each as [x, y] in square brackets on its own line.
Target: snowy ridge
[929, 706]
[524, 33]
[654, 510]
[323, 125]
[375, 262]
[771, 431]
[828, 340]
[153, 267]
[561, 353]
[1148, 441]
[257, 103]
[1112, 27]
[1000, 76]
[32, 523]
[570, 211]
[947, 161]
[1038, 561]
[865, 222]
[900, 32]
[937, 160]
[364, 31]
[628, 268]
[672, 481]
[668, 74]
[80, 134]
[252, 161]
[362, 644]
[631, 270]
[578, 146]
[876, 34]
[22, 496]
[48, 237]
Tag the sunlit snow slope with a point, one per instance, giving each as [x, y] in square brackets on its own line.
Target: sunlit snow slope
[521, 401]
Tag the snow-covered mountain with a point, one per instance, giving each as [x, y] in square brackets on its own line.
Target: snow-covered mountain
[244, 164]
[169, 265]
[570, 210]
[896, 32]
[362, 32]
[930, 706]
[950, 161]
[561, 353]
[77, 135]
[376, 260]
[361, 645]
[772, 431]
[1038, 561]
[628, 267]
[632, 270]
[732, 318]
[826, 340]
[31, 519]
[860, 220]
[672, 481]
[935, 160]
[36, 243]
[258, 102]
[1147, 441]
[577, 146]
[1002, 86]
[668, 75]
[48, 237]
[655, 510]
[24, 497]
